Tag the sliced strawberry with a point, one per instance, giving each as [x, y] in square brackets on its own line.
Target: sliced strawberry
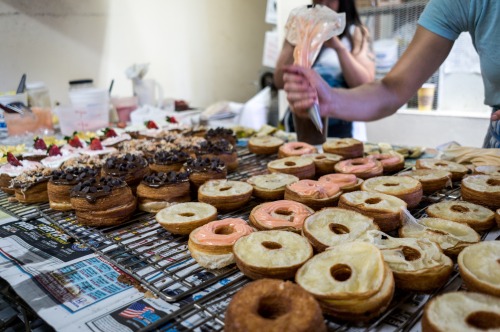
[39, 144]
[75, 142]
[171, 119]
[150, 124]
[95, 144]
[54, 150]
[13, 160]
[109, 132]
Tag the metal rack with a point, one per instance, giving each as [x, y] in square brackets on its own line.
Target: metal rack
[160, 262]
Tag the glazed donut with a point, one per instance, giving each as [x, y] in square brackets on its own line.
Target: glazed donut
[479, 267]
[476, 216]
[432, 180]
[301, 167]
[418, 264]
[461, 311]
[271, 186]
[385, 210]
[264, 144]
[280, 215]
[350, 281]
[392, 162]
[363, 168]
[482, 189]
[324, 162]
[295, 149]
[183, 218]
[346, 147]
[346, 182]
[332, 226]
[273, 306]
[457, 170]
[403, 187]
[225, 195]
[451, 236]
[487, 170]
[497, 217]
[211, 245]
[314, 194]
[271, 254]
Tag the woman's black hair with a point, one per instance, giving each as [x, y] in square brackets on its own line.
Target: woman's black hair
[352, 18]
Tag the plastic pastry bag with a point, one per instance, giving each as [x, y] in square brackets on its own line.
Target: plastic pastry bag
[308, 27]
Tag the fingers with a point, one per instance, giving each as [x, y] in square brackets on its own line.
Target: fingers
[495, 116]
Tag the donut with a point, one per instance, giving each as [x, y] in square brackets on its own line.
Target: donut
[476, 216]
[271, 254]
[497, 217]
[31, 186]
[482, 189]
[221, 149]
[487, 170]
[8, 172]
[301, 167]
[432, 180]
[457, 170]
[346, 147]
[274, 306]
[280, 215]
[264, 144]
[130, 167]
[211, 245]
[271, 186]
[461, 311]
[183, 218]
[406, 188]
[225, 195]
[295, 149]
[332, 226]
[203, 169]
[452, 237]
[346, 182]
[479, 266]
[385, 210]
[351, 281]
[168, 160]
[216, 134]
[392, 162]
[314, 194]
[418, 265]
[324, 162]
[363, 168]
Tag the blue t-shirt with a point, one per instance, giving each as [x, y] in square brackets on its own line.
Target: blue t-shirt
[481, 18]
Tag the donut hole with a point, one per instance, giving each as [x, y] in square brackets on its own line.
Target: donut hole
[339, 229]
[273, 307]
[437, 231]
[410, 253]
[391, 184]
[225, 188]
[484, 320]
[271, 245]
[459, 208]
[224, 230]
[320, 157]
[440, 164]
[284, 214]
[341, 272]
[298, 148]
[357, 163]
[186, 214]
[373, 200]
[493, 182]
[290, 163]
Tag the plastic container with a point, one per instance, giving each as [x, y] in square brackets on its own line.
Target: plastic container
[85, 83]
[38, 94]
[4, 100]
[124, 106]
[386, 54]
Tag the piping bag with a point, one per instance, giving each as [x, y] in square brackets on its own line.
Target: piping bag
[308, 27]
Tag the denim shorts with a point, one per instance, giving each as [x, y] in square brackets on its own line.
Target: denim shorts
[492, 139]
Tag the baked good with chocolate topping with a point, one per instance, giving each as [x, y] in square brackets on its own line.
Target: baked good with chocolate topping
[432, 180]
[315, 194]
[324, 162]
[31, 186]
[461, 312]
[221, 149]
[12, 169]
[221, 133]
[271, 254]
[487, 170]
[203, 169]
[497, 217]
[271, 186]
[457, 170]
[61, 183]
[482, 189]
[264, 144]
[168, 160]
[183, 218]
[273, 306]
[211, 245]
[83, 161]
[363, 168]
[392, 162]
[404, 187]
[346, 182]
[332, 226]
[346, 147]
[105, 202]
[280, 215]
[295, 149]
[130, 167]
[225, 195]
[476, 216]
[301, 167]
[158, 190]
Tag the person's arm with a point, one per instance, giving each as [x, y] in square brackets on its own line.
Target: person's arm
[285, 58]
[376, 100]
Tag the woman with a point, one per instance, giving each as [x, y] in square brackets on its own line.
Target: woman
[345, 61]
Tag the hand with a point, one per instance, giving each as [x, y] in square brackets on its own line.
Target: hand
[495, 116]
[335, 43]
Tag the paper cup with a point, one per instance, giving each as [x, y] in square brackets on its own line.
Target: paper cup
[426, 96]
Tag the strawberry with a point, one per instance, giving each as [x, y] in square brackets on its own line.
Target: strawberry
[95, 144]
[109, 132]
[171, 119]
[54, 151]
[75, 142]
[13, 160]
[39, 144]
[150, 124]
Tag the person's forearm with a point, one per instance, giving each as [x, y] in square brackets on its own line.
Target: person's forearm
[354, 72]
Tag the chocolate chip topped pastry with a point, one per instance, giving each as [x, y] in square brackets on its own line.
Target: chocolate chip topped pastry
[31, 186]
[104, 202]
[203, 169]
[165, 161]
[221, 149]
[132, 168]
[159, 190]
[221, 133]
[62, 181]
[83, 161]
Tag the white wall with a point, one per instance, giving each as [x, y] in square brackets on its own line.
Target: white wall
[202, 51]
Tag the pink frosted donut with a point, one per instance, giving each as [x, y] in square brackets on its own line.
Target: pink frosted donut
[391, 162]
[341, 180]
[315, 189]
[363, 168]
[292, 149]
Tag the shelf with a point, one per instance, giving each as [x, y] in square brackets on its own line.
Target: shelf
[391, 9]
[450, 113]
